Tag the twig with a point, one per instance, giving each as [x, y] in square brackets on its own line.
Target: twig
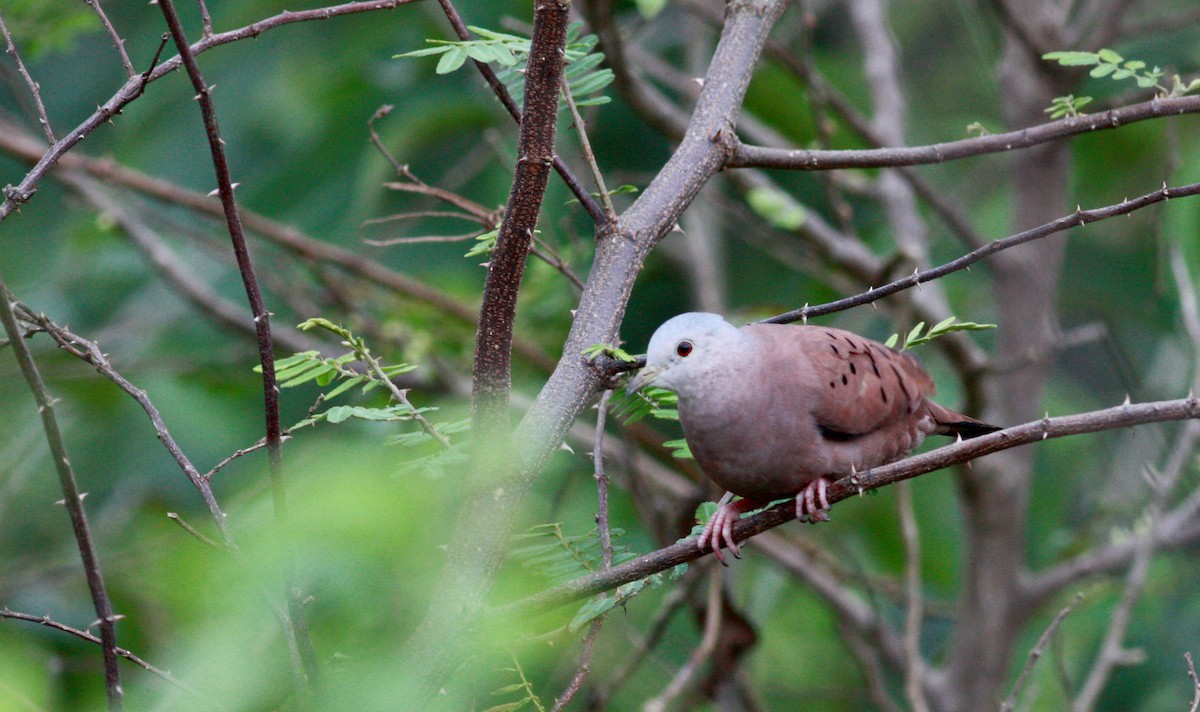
[34, 89]
[298, 628]
[423, 238]
[122, 652]
[1195, 682]
[708, 642]
[585, 654]
[205, 19]
[1078, 218]
[378, 142]
[914, 671]
[116, 38]
[1038, 648]
[91, 352]
[192, 530]
[588, 156]
[1122, 416]
[606, 550]
[747, 156]
[72, 499]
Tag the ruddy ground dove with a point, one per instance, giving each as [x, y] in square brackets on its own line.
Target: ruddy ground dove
[772, 411]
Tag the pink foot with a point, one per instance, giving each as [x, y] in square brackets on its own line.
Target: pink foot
[811, 503]
[718, 532]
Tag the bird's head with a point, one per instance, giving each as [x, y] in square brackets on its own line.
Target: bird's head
[687, 351]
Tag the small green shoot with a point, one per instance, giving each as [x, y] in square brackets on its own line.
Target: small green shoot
[1068, 105]
[595, 351]
[946, 326]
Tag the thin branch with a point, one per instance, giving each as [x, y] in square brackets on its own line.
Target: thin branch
[122, 652]
[746, 156]
[91, 352]
[588, 156]
[116, 38]
[1078, 218]
[1122, 416]
[72, 499]
[205, 19]
[298, 628]
[914, 668]
[585, 654]
[1037, 651]
[708, 642]
[34, 88]
[573, 183]
[14, 196]
[1195, 682]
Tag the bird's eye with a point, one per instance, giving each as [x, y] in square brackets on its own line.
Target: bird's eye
[683, 348]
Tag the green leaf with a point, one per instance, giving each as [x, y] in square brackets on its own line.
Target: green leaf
[1102, 70]
[680, 449]
[649, 9]
[1073, 59]
[481, 51]
[452, 60]
[346, 385]
[891, 342]
[777, 207]
[1135, 64]
[1107, 55]
[912, 335]
[1147, 82]
[424, 52]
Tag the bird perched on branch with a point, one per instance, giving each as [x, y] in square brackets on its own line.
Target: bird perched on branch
[772, 411]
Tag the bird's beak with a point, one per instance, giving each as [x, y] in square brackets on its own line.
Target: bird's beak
[643, 378]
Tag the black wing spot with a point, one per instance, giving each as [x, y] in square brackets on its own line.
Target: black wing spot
[832, 384]
[900, 380]
[853, 369]
[883, 394]
[837, 436]
[844, 380]
[839, 353]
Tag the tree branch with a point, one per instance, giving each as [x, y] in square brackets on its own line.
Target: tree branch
[746, 156]
[298, 628]
[72, 498]
[1121, 416]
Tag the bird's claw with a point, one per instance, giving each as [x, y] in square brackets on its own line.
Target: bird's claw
[812, 503]
[718, 532]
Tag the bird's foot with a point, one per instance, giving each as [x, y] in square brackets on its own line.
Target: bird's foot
[812, 505]
[718, 532]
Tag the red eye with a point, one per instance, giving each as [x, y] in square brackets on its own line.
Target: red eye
[683, 348]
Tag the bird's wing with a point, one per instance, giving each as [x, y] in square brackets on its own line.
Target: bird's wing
[855, 386]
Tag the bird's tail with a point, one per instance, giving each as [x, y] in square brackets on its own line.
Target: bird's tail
[952, 423]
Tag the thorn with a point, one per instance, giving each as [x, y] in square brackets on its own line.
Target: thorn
[213, 192]
[804, 314]
[699, 81]
[1127, 400]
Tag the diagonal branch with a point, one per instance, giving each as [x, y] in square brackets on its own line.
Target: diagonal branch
[298, 628]
[1121, 416]
[72, 498]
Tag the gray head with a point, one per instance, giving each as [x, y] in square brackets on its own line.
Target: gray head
[688, 351]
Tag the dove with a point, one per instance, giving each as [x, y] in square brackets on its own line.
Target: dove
[773, 411]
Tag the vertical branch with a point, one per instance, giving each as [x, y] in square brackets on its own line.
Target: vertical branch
[914, 673]
[34, 89]
[116, 38]
[298, 629]
[493, 340]
[72, 499]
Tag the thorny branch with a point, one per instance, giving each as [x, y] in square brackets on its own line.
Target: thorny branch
[298, 626]
[72, 498]
[1121, 416]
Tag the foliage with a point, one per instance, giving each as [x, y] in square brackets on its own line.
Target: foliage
[565, 557]
[511, 52]
[1107, 63]
[946, 326]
